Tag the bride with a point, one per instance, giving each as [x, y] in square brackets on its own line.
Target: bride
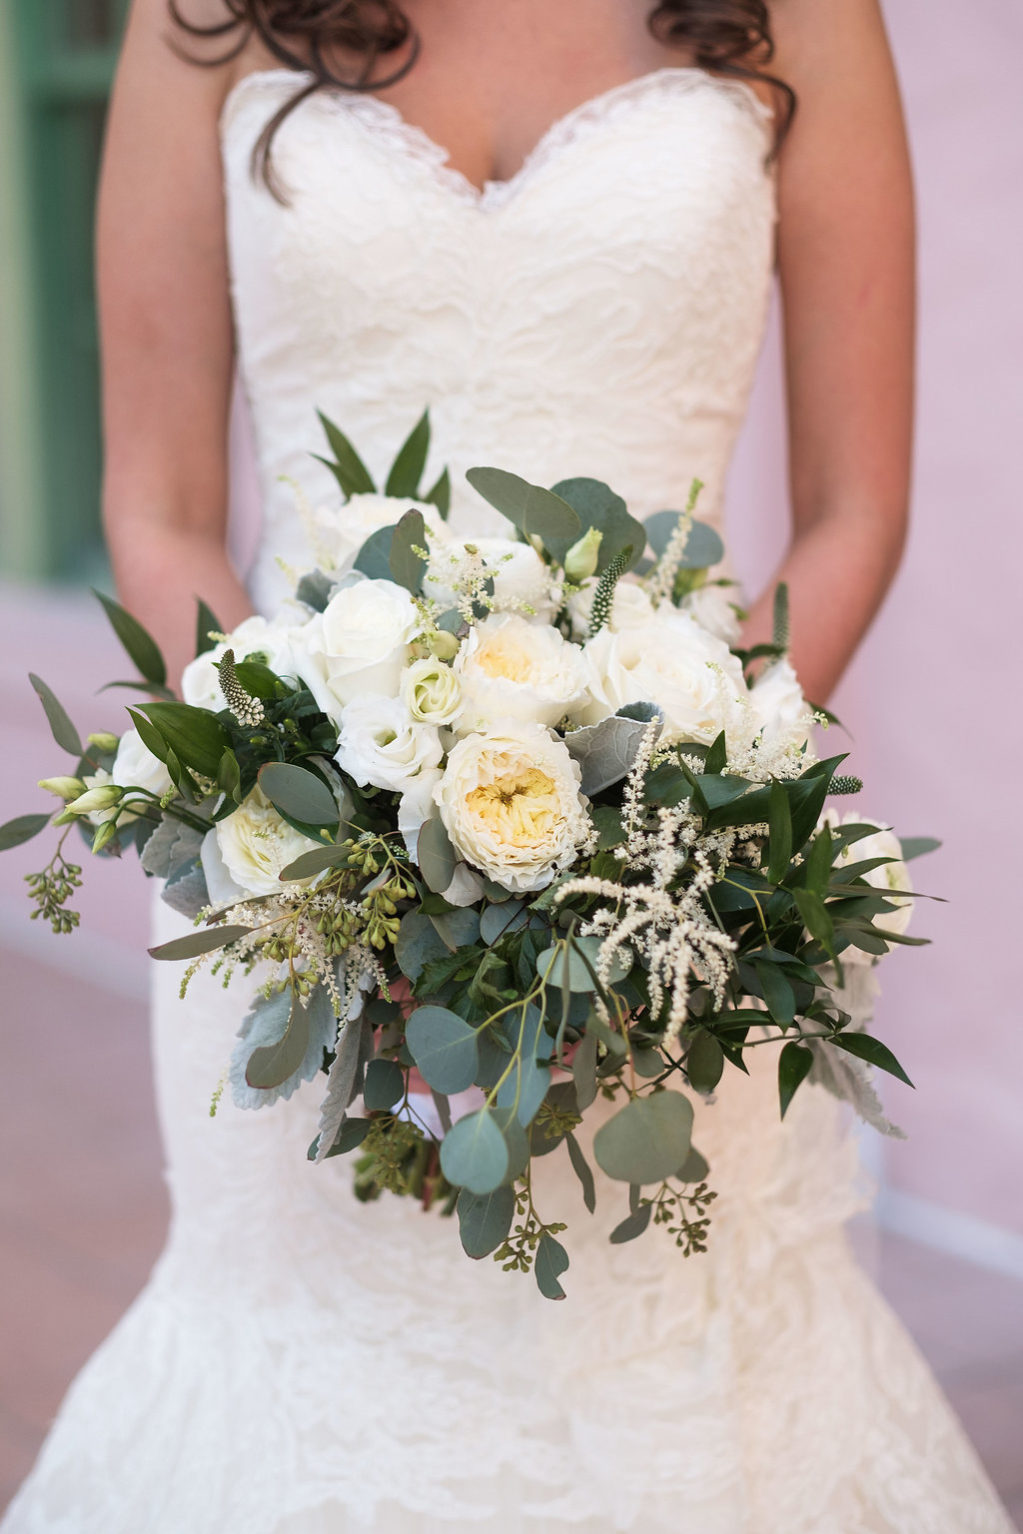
[555, 225]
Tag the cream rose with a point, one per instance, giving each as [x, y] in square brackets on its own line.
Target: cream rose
[511, 804]
[381, 744]
[522, 582]
[892, 879]
[279, 642]
[431, 691]
[676, 664]
[630, 607]
[713, 607]
[510, 668]
[781, 715]
[360, 642]
[254, 845]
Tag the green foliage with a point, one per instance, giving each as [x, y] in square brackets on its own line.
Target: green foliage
[537, 513]
[21, 829]
[300, 795]
[205, 624]
[794, 1063]
[346, 466]
[196, 737]
[444, 1048]
[603, 597]
[61, 728]
[484, 1220]
[408, 466]
[206, 940]
[647, 1140]
[474, 1153]
[407, 566]
[597, 506]
[140, 647]
[435, 855]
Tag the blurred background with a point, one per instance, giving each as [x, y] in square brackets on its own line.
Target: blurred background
[932, 700]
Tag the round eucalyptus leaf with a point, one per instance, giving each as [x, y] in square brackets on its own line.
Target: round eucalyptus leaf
[474, 1153]
[385, 1085]
[533, 510]
[498, 920]
[298, 794]
[580, 959]
[694, 1168]
[444, 1048]
[551, 1261]
[647, 1140]
[705, 1061]
[435, 855]
[484, 1220]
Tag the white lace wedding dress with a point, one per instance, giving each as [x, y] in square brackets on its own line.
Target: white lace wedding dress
[301, 1363]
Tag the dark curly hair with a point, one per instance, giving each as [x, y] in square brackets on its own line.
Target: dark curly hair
[725, 37]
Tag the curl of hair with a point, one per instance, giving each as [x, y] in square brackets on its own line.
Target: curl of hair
[725, 37]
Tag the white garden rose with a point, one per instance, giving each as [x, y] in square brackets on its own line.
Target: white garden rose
[781, 715]
[280, 642]
[381, 744]
[135, 766]
[510, 668]
[676, 664]
[511, 804]
[892, 879]
[522, 582]
[431, 691]
[255, 844]
[713, 607]
[360, 642]
[630, 607]
[338, 532]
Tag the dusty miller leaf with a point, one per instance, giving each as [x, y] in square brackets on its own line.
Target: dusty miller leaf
[850, 1079]
[342, 1081]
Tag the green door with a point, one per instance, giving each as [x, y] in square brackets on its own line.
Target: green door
[59, 58]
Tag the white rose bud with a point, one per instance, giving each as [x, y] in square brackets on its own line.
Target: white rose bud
[103, 741]
[105, 833]
[103, 797]
[443, 645]
[64, 788]
[431, 691]
[581, 559]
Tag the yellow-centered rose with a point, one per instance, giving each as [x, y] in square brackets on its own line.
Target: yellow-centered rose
[511, 804]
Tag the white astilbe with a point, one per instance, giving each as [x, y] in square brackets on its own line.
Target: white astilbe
[660, 918]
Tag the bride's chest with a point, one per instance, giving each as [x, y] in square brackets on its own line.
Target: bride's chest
[647, 211]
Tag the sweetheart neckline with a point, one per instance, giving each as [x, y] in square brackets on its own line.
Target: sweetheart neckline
[419, 146]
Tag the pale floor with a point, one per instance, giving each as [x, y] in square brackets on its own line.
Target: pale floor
[82, 1213]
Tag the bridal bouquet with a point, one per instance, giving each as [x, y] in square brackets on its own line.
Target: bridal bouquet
[506, 815]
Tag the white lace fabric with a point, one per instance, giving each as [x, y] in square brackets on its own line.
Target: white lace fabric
[301, 1363]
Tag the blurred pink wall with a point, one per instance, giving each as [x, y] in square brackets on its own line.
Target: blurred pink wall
[934, 697]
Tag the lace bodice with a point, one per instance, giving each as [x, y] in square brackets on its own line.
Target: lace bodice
[600, 313]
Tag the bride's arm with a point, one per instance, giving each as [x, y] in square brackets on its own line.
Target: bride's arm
[166, 334]
[846, 262]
